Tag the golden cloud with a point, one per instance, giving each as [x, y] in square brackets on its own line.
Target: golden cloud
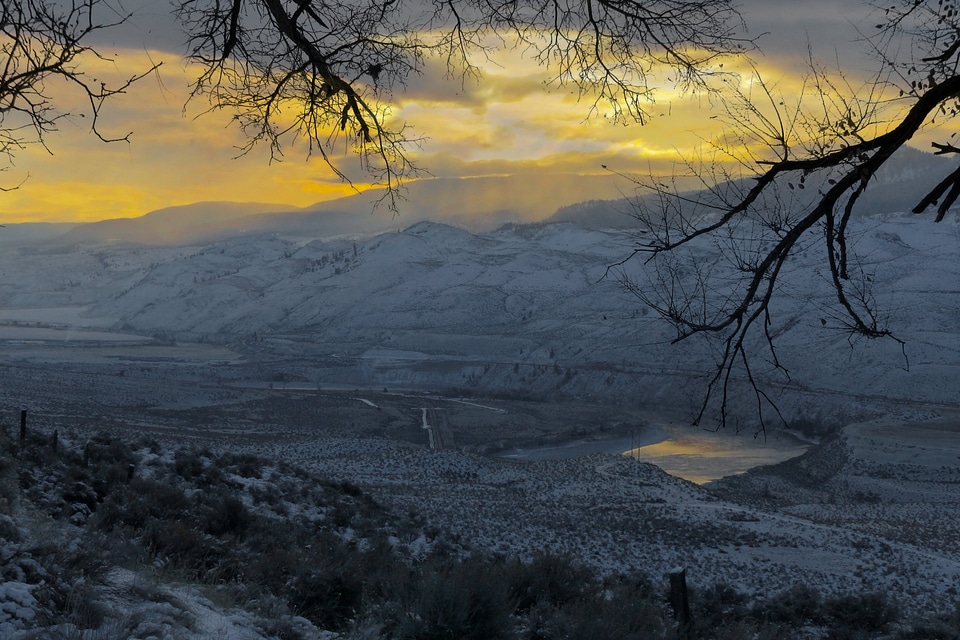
[510, 122]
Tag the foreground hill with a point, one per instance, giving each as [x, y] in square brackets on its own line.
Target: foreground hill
[108, 537]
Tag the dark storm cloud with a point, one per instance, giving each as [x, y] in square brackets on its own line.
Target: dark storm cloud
[831, 29]
[783, 26]
[145, 25]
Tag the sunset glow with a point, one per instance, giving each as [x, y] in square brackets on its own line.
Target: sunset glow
[504, 124]
[510, 121]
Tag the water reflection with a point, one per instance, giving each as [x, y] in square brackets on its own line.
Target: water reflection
[697, 456]
[705, 456]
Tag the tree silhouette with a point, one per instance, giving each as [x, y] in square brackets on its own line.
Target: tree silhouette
[323, 71]
[42, 41]
[801, 163]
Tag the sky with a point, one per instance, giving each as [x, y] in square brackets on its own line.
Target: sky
[505, 124]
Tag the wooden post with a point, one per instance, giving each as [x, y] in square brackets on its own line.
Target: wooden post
[54, 443]
[679, 599]
[131, 468]
[23, 426]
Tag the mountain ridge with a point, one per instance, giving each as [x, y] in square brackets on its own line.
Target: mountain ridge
[169, 225]
[897, 187]
[478, 204]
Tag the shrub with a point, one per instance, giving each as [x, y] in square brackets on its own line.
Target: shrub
[554, 579]
[80, 492]
[273, 569]
[796, 606]
[626, 609]
[350, 489]
[466, 601]
[171, 538]
[188, 463]
[82, 608]
[716, 607]
[143, 500]
[328, 597]
[245, 465]
[940, 627]
[859, 616]
[223, 513]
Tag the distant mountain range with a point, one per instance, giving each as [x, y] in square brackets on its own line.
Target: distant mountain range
[475, 204]
[898, 186]
[170, 226]
[12, 235]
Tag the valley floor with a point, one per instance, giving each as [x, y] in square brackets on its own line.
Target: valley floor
[864, 511]
[875, 507]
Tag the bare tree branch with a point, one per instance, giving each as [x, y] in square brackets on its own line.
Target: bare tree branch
[822, 154]
[323, 71]
[41, 41]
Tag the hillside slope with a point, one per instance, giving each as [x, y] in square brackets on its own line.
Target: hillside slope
[524, 309]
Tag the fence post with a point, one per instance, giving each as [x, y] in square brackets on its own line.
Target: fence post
[679, 599]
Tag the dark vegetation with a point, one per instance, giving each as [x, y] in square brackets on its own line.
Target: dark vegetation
[285, 544]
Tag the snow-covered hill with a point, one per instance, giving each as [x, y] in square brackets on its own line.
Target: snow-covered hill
[525, 309]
